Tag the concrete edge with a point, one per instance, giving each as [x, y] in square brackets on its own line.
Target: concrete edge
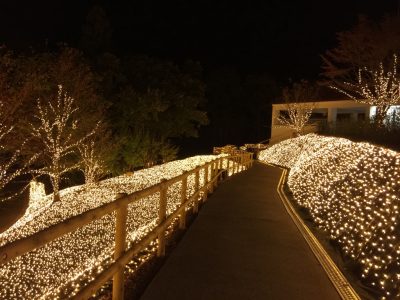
[340, 282]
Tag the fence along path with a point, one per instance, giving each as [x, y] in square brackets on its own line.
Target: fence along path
[213, 173]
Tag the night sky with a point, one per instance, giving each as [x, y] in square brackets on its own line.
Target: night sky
[283, 38]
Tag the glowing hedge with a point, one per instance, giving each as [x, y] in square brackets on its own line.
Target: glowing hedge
[352, 191]
[60, 268]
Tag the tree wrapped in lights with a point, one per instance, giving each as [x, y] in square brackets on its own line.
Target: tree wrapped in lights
[298, 111]
[95, 153]
[10, 165]
[58, 131]
[298, 117]
[376, 87]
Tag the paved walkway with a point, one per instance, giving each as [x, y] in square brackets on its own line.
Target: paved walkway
[242, 245]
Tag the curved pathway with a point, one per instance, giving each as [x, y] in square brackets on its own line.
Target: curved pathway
[242, 245]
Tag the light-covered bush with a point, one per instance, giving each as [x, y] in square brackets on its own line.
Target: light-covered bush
[352, 191]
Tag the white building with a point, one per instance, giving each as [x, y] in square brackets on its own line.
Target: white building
[328, 112]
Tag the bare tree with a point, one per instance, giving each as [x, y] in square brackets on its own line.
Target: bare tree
[376, 87]
[299, 109]
[366, 44]
[298, 117]
[58, 131]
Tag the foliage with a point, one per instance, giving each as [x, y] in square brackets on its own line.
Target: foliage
[31, 76]
[156, 101]
[28, 77]
[142, 150]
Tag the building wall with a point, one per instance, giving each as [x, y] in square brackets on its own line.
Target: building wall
[328, 109]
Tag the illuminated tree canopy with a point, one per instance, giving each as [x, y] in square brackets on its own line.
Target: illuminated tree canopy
[11, 163]
[377, 87]
[57, 130]
[299, 107]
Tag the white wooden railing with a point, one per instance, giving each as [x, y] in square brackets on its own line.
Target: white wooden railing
[218, 168]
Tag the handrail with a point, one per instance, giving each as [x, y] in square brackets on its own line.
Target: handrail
[234, 164]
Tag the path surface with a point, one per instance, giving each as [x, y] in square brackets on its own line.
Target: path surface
[242, 245]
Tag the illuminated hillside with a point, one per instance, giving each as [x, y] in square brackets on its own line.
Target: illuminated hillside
[352, 191]
[59, 268]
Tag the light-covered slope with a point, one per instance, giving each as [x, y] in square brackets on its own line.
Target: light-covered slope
[59, 267]
[352, 191]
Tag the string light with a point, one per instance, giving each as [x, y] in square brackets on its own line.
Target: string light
[92, 163]
[8, 169]
[298, 116]
[57, 130]
[62, 267]
[352, 191]
[378, 88]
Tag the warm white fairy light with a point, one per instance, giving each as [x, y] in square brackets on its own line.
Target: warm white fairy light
[57, 130]
[38, 202]
[378, 88]
[8, 169]
[60, 268]
[92, 164]
[352, 191]
[298, 116]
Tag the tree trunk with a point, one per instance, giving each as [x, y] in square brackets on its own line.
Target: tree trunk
[380, 116]
[56, 187]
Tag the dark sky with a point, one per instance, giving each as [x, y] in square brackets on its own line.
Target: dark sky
[282, 38]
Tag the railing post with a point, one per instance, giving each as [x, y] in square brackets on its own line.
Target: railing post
[216, 171]
[220, 165]
[205, 191]
[120, 245]
[196, 189]
[212, 174]
[236, 165]
[182, 220]
[161, 217]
